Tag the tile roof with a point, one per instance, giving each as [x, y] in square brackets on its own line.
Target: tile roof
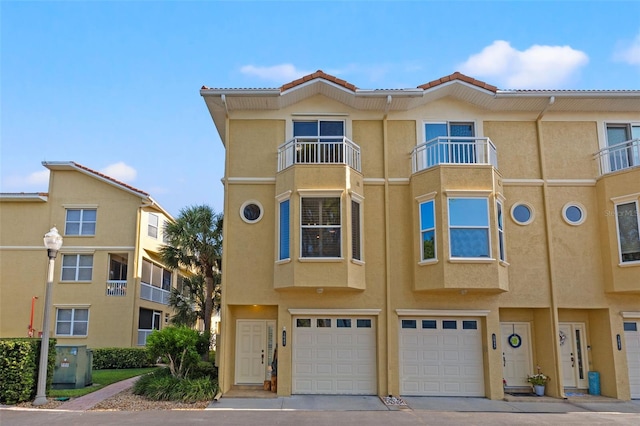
[319, 74]
[102, 175]
[459, 76]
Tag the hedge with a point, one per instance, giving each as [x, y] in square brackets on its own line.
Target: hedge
[118, 358]
[19, 365]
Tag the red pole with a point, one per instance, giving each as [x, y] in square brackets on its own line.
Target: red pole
[33, 304]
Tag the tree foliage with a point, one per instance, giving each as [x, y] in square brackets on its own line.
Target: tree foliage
[180, 346]
[194, 243]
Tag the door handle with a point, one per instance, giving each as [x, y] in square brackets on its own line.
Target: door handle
[573, 363]
[504, 361]
[262, 356]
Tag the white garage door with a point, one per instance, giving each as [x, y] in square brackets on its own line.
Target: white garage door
[632, 339]
[441, 357]
[334, 355]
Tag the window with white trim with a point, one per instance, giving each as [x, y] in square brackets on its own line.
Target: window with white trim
[155, 275]
[499, 215]
[148, 321]
[165, 235]
[80, 222]
[628, 224]
[356, 232]
[469, 228]
[284, 230]
[447, 149]
[77, 267]
[320, 227]
[152, 226]
[72, 322]
[427, 230]
[319, 141]
[623, 141]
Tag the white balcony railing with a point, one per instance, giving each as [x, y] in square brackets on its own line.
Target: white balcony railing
[453, 150]
[619, 157]
[142, 336]
[319, 150]
[154, 294]
[116, 288]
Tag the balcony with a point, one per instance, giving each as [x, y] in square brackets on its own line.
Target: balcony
[319, 150]
[621, 156]
[453, 150]
[116, 288]
[142, 336]
[154, 294]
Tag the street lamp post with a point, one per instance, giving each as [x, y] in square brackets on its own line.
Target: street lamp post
[52, 242]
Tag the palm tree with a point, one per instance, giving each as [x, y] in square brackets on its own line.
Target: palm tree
[194, 243]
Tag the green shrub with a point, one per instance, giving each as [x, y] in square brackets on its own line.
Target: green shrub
[162, 386]
[118, 358]
[179, 345]
[204, 369]
[19, 366]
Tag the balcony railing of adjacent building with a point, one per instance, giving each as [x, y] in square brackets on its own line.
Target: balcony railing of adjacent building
[319, 150]
[142, 336]
[116, 288]
[154, 294]
[453, 150]
[621, 156]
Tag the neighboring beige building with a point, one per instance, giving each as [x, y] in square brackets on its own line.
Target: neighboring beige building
[110, 288]
[429, 241]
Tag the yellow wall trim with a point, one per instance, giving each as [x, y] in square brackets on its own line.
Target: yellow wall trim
[442, 312]
[334, 311]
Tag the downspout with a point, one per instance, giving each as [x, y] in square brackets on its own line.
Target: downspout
[225, 328]
[550, 253]
[387, 229]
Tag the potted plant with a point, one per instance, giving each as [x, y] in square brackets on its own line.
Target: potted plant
[538, 381]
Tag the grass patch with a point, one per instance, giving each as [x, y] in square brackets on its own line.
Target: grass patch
[101, 378]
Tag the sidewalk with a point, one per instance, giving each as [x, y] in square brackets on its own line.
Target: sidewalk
[89, 400]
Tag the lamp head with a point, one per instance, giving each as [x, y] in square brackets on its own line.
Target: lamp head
[53, 241]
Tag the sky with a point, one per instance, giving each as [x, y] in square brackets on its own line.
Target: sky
[114, 85]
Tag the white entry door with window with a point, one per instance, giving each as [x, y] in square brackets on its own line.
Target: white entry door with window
[573, 355]
[632, 342]
[254, 348]
[441, 357]
[516, 353]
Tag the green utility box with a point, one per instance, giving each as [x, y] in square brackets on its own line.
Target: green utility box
[73, 367]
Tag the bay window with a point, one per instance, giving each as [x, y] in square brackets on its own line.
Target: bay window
[320, 227]
[427, 230]
[628, 224]
[469, 228]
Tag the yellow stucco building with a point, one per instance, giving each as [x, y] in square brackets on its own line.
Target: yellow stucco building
[110, 288]
[442, 240]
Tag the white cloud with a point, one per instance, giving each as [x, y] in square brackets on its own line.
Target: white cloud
[36, 181]
[540, 67]
[277, 73]
[628, 52]
[38, 178]
[120, 171]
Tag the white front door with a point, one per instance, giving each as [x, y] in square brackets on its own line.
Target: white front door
[573, 355]
[251, 351]
[632, 341]
[516, 353]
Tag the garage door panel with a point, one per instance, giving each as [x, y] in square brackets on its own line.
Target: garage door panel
[632, 342]
[343, 356]
[449, 361]
[430, 355]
